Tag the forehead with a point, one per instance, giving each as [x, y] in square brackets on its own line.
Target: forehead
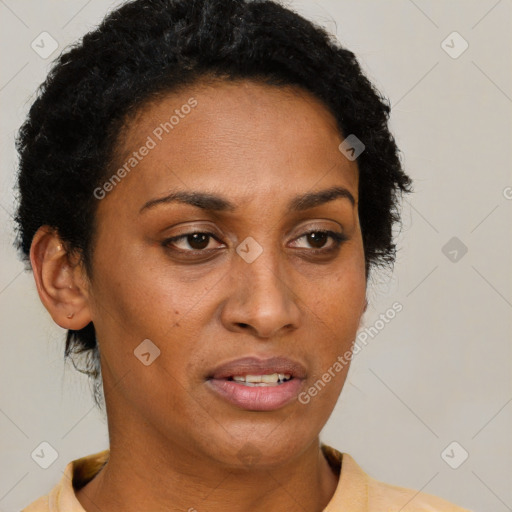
[238, 134]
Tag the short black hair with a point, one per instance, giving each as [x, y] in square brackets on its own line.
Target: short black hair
[149, 47]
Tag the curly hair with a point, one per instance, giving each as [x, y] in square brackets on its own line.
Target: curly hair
[147, 48]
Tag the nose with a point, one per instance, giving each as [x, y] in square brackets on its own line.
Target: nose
[262, 298]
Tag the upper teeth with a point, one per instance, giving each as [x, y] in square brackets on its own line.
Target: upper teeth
[275, 377]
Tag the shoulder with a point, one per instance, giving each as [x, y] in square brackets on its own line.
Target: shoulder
[386, 497]
[77, 473]
[40, 505]
[359, 492]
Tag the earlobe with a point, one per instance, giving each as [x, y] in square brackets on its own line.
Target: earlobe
[59, 279]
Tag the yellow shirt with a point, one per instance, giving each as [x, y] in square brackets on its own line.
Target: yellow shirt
[355, 492]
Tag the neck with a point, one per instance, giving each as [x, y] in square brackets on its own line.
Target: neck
[145, 474]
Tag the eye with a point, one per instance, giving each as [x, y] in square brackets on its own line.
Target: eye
[317, 239]
[197, 241]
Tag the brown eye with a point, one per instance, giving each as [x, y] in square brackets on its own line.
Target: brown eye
[190, 242]
[317, 239]
[198, 240]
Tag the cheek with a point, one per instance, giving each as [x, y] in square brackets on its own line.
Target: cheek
[134, 293]
[335, 321]
[340, 298]
[336, 312]
[136, 301]
[139, 313]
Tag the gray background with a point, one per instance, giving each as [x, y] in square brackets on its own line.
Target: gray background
[440, 371]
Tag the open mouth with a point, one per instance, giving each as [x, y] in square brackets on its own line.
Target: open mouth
[257, 392]
[274, 379]
[256, 384]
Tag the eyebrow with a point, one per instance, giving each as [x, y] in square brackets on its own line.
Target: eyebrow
[212, 202]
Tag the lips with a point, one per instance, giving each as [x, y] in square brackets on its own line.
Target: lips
[257, 397]
[255, 366]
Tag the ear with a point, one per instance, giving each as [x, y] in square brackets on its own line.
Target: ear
[60, 279]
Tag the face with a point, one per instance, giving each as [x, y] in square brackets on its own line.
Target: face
[243, 268]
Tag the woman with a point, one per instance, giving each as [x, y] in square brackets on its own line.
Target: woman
[205, 187]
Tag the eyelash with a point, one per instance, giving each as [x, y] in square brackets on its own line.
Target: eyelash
[338, 240]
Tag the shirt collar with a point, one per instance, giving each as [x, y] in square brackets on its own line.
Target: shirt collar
[351, 492]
